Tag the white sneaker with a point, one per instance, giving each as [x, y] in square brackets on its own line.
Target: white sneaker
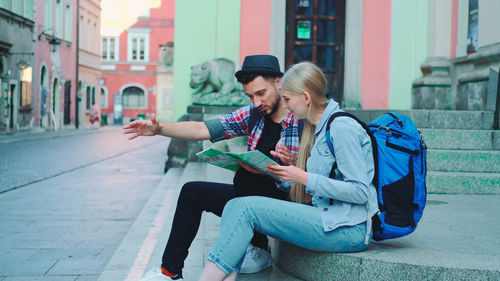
[155, 274]
[256, 259]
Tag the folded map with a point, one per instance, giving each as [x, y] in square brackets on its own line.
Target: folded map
[229, 160]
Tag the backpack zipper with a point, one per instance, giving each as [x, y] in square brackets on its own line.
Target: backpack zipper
[422, 146]
[389, 130]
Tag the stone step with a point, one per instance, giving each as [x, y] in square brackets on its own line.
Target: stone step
[462, 139]
[463, 183]
[484, 161]
[452, 242]
[437, 119]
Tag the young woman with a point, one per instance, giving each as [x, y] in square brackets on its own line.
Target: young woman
[333, 214]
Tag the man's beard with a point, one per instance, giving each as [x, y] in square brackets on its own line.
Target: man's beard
[276, 103]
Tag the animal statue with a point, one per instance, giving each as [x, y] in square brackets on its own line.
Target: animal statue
[215, 84]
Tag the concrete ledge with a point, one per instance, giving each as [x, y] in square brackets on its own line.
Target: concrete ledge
[440, 119]
[309, 265]
[455, 240]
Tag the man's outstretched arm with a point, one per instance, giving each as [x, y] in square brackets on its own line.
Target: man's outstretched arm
[188, 130]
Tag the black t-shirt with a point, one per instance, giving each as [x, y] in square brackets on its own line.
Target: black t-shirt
[246, 183]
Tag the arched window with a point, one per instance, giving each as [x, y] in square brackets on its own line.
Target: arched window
[87, 99]
[1, 74]
[93, 95]
[43, 75]
[104, 98]
[54, 95]
[134, 97]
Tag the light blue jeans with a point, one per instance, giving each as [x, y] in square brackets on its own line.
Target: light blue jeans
[296, 223]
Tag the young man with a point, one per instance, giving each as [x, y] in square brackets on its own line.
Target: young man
[269, 126]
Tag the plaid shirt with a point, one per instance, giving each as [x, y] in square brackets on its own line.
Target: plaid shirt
[235, 124]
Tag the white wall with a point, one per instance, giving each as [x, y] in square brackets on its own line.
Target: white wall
[439, 28]
[489, 22]
[278, 24]
[352, 53]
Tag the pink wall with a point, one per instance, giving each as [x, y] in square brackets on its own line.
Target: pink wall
[123, 46]
[115, 83]
[254, 27]
[375, 65]
[161, 22]
[166, 10]
[65, 57]
[454, 29]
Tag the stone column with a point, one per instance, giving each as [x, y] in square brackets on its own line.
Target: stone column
[433, 89]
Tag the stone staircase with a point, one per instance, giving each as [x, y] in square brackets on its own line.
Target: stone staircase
[463, 155]
[452, 240]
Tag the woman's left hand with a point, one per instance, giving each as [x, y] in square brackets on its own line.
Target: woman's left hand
[288, 173]
[287, 157]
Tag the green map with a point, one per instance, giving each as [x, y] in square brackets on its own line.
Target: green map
[229, 160]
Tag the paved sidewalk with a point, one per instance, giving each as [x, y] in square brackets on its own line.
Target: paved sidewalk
[143, 246]
[39, 134]
[457, 232]
[67, 227]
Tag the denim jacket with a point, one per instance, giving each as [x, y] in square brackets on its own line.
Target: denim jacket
[350, 197]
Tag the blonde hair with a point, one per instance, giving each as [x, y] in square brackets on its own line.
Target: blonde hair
[300, 78]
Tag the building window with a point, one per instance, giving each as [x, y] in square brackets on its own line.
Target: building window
[472, 32]
[104, 98]
[138, 49]
[58, 25]
[80, 32]
[93, 96]
[17, 7]
[68, 32]
[5, 4]
[138, 46]
[28, 9]
[87, 99]
[134, 97]
[48, 15]
[109, 48]
[23, 8]
[87, 35]
[26, 96]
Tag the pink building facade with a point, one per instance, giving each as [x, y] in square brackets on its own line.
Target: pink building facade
[54, 75]
[89, 64]
[134, 58]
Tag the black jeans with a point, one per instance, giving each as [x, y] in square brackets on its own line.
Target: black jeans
[196, 197]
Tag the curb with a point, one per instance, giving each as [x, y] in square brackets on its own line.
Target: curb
[42, 135]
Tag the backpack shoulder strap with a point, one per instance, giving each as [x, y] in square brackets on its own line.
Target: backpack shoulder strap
[367, 129]
[340, 114]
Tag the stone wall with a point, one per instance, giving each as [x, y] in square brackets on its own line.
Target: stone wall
[466, 83]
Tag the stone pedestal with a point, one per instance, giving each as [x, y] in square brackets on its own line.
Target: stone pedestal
[433, 90]
[182, 151]
[477, 79]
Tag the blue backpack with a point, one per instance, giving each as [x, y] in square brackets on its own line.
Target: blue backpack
[399, 152]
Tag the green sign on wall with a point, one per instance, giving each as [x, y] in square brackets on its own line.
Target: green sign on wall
[303, 29]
